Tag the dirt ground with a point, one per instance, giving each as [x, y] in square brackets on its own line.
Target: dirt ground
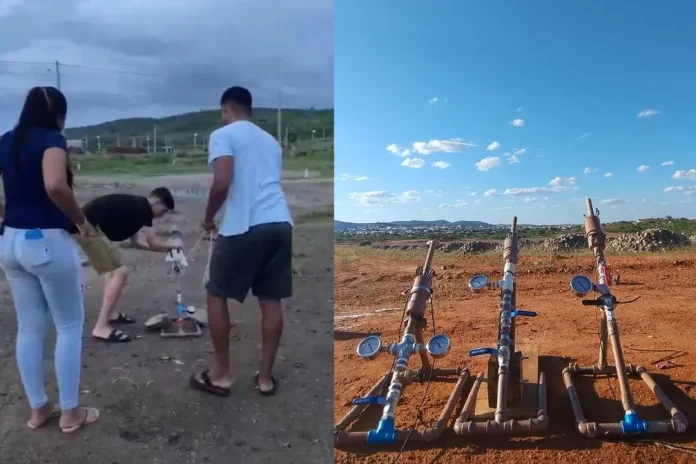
[370, 291]
[149, 413]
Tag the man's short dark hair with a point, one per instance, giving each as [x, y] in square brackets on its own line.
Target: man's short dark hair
[238, 96]
[164, 196]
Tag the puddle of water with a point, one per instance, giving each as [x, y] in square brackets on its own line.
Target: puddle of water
[190, 193]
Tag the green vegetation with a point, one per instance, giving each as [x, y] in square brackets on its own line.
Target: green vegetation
[141, 165]
[178, 130]
[322, 217]
[683, 225]
[316, 161]
[321, 161]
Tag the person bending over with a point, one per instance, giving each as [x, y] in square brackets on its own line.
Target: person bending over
[120, 217]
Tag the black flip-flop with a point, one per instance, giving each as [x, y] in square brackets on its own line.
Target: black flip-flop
[122, 318]
[206, 385]
[270, 392]
[116, 336]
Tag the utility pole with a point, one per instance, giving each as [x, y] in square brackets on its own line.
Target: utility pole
[118, 140]
[154, 144]
[280, 105]
[148, 143]
[195, 141]
[57, 75]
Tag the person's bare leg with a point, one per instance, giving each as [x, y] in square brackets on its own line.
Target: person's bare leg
[271, 332]
[113, 285]
[220, 325]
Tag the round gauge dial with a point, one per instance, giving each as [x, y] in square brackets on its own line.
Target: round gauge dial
[581, 285]
[370, 347]
[478, 282]
[438, 346]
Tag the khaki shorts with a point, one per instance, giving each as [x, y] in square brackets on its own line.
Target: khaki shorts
[100, 251]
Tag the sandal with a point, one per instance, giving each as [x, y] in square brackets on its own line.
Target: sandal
[54, 414]
[116, 336]
[270, 392]
[122, 318]
[91, 416]
[206, 385]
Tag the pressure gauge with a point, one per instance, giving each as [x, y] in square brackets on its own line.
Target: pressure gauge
[370, 347]
[581, 285]
[438, 346]
[478, 283]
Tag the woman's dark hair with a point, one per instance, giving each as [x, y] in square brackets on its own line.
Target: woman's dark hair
[44, 108]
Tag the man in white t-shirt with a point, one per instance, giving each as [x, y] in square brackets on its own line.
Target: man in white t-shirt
[253, 250]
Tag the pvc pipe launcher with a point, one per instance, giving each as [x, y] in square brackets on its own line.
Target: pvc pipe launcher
[631, 423]
[513, 402]
[411, 344]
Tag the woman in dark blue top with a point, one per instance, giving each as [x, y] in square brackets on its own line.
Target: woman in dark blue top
[40, 258]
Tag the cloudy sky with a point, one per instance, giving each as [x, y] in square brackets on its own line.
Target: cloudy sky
[175, 55]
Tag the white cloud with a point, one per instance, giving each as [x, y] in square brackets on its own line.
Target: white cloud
[609, 174]
[433, 146]
[473, 194]
[613, 201]
[415, 163]
[456, 204]
[478, 201]
[589, 170]
[643, 168]
[436, 100]
[681, 175]
[648, 113]
[381, 197]
[490, 193]
[441, 146]
[488, 163]
[668, 163]
[520, 151]
[441, 164]
[529, 199]
[493, 146]
[394, 149]
[513, 159]
[583, 136]
[343, 177]
[517, 122]
[556, 185]
[519, 109]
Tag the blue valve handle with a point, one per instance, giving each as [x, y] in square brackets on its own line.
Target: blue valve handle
[482, 351]
[519, 312]
[370, 400]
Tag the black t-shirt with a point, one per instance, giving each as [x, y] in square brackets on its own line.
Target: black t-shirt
[119, 215]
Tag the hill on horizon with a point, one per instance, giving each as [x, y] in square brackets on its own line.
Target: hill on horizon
[179, 129]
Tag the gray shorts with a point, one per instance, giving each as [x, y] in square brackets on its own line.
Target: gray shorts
[259, 260]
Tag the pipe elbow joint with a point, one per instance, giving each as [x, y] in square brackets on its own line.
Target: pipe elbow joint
[587, 429]
[680, 422]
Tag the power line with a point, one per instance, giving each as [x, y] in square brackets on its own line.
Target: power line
[79, 66]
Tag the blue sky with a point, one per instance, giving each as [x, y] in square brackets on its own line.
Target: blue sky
[485, 110]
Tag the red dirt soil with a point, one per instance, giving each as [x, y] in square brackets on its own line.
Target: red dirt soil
[653, 327]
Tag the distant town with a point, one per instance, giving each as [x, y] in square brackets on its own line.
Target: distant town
[405, 230]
